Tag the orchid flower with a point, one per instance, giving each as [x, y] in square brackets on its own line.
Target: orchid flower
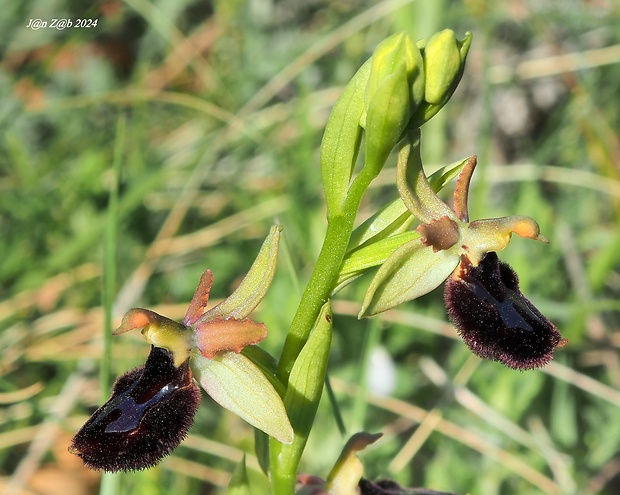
[152, 407]
[482, 295]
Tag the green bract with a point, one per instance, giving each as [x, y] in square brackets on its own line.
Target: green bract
[341, 141]
[302, 397]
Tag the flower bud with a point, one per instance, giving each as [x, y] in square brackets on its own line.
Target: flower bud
[392, 53]
[442, 66]
[150, 411]
[495, 319]
[444, 62]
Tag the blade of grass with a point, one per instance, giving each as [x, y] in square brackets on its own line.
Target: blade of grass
[110, 483]
[360, 404]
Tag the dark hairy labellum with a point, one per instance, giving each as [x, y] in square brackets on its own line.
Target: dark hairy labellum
[495, 319]
[150, 411]
[389, 487]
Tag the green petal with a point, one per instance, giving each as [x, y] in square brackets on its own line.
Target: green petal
[237, 384]
[412, 271]
[254, 286]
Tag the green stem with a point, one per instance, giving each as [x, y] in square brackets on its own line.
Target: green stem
[325, 275]
[319, 289]
[109, 272]
[110, 482]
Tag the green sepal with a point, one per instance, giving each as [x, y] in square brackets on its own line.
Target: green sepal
[412, 271]
[237, 384]
[359, 261]
[345, 476]
[267, 364]
[302, 397]
[413, 186]
[253, 287]
[239, 483]
[341, 141]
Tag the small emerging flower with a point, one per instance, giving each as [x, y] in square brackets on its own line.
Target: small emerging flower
[152, 407]
[482, 294]
[346, 477]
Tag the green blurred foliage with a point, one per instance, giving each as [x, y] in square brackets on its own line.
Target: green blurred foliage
[225, 103]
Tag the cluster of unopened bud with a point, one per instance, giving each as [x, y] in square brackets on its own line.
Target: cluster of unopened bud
[418, 79]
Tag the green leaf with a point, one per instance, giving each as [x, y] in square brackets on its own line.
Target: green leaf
[237, 384]
[391, 219]
[341, 141]
[359, 261]
[440, 178]
[239, 483]
[254, 286]
[412, 271]
[303, 395]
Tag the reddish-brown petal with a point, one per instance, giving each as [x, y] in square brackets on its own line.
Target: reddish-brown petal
[200, 299]
[222, 335]
[461, 191]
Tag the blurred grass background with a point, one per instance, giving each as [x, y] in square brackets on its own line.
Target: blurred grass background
[208, 117]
